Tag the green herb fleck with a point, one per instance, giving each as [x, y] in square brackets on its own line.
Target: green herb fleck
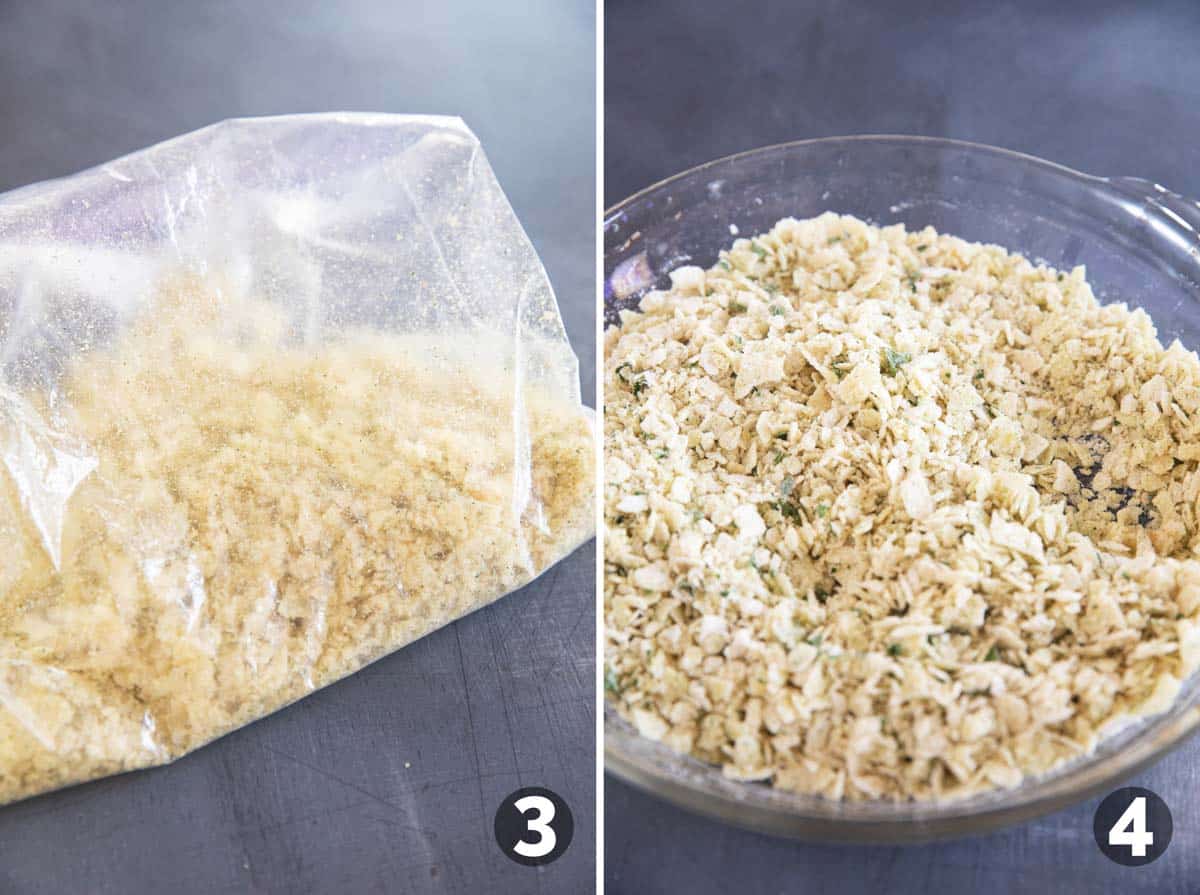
[822, 510]
[978, 375]
[992, 655]
[736, 307]
[789, 510]
[912, 277]
[611, 683]
[895, 649]
[922, 247]
[786, 507]
[724, 265]
[815, 640]
[776, 311]
[758, 250]
[834, 239]
[894, 360]
[841, 366]
[778, 457]
[639, 385]
[621, 367]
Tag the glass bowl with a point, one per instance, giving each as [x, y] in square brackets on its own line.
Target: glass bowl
[1140, 244]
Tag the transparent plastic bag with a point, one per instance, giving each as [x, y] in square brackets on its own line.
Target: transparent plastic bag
[276, 398]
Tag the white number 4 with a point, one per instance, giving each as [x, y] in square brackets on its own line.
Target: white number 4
[1130, 829]
[540, 824]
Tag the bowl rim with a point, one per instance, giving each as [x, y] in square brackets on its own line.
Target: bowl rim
[914, 139]
[934, 821]
[929, 820]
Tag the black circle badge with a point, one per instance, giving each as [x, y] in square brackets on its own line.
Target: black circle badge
[534, 826]
[1133, 826]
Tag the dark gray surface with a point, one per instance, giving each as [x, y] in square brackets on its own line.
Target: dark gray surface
[1110, 88]
[388, 781]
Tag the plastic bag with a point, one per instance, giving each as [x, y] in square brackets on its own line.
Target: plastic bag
[276, 398]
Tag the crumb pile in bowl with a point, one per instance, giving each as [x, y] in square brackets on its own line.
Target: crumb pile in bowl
[893, 515]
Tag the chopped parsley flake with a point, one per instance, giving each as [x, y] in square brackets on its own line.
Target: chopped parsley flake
[894, 360]
[789, 510]
[611, 683]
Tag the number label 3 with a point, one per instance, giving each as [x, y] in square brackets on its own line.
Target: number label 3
[534, 826]
[1132, 826]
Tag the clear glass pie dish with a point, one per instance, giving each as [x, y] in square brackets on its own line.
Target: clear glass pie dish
[1140, 244]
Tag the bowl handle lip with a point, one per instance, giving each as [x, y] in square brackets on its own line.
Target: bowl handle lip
[1152, 196]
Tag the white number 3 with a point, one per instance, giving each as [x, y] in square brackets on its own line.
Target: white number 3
[1130, 829]
[540, 824]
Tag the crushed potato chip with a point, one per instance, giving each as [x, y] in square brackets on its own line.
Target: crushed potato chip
[939, 528]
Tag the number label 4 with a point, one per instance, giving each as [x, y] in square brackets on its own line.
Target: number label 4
[1130, 829]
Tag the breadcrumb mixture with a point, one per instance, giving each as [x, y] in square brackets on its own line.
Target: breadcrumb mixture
[251, 521]
[892, 515]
